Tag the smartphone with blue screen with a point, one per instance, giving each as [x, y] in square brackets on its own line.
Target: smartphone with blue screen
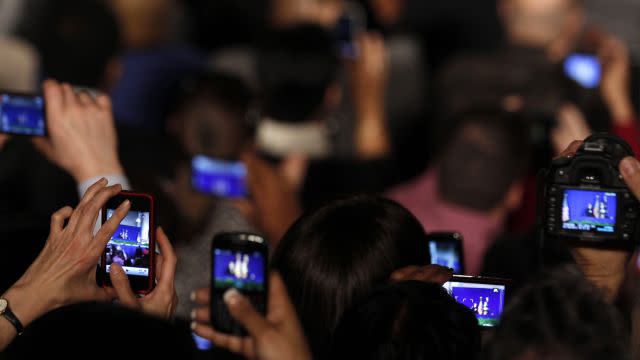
[238, 260]
[446, 250]
[486, 297]
[583, 68]
[219, 177]
[22, 114]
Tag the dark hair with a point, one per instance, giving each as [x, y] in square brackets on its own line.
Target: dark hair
[333, 257]
[487, 153]
[228, 93]
[561, 316]
[408, 320]
[295, 68]
[226, 90]
[76, 40]
[85, 330]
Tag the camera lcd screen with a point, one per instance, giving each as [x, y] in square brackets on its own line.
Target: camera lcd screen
[584, 69]
[129, 245]
[446, 254]
[486, 300]
[241, 270]
[220, 178]
[22, 115]
[588, 210]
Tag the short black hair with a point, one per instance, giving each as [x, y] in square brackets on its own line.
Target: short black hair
[89, 330]
[488, 151]
[560, 316]
[408, 320]
[231, 96]
[76, 39]
[295, 67]
[335, 256]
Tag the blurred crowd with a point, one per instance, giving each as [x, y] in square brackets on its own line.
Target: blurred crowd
[430, 117]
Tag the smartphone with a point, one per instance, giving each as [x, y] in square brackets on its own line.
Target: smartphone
[349, 25]
[219, 177]
[22, 114]
[238, 260]
[583, 68]
[446, 250]
[133, 244]
[485, 296]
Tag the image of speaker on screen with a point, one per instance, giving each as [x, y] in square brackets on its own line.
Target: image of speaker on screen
[588, 210]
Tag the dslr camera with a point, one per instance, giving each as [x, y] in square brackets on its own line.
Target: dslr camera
[585, 199]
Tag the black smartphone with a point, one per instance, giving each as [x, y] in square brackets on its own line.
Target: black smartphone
[133, 244]
[219, 177]
[446, 250]
[485, 296]
[22, 114]
[238, 260]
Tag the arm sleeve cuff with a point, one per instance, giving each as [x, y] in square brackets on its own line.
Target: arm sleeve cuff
[111, 178]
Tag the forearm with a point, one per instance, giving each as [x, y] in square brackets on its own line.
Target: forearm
[371, 136]
[27, 306]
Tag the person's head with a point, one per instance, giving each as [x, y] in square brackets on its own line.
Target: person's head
[297, 73]
[144, 23]
[407, 320]
[101, 330]
[333, 257]
[561, 316]
[209, 115]
[79, 43]
[540, 23]
[483, 164]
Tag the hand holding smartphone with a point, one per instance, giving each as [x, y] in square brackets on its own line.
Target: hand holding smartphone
[22, 114]
[239, 261]
[485, 296]
[133, 244]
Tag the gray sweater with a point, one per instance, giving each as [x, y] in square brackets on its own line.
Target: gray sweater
[194, 259]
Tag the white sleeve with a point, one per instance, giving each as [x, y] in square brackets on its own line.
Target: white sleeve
[111, 178]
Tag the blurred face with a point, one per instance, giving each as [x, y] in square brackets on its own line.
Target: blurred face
[539, 23]
[208, 129]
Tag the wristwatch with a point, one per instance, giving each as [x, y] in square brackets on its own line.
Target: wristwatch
[6, 312]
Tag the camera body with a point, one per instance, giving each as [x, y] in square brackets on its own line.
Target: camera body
[585, 199]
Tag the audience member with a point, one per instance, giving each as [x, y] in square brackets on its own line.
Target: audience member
[559, 317]
[102, 331]
[65, 271]
[476, 184]
[407, 320]
[278, 336]
[333, 257]
[297, 75]
[79, 42]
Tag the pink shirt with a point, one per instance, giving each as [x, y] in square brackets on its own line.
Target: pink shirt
[421, 197]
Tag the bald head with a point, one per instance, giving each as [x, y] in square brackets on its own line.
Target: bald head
[538, 23]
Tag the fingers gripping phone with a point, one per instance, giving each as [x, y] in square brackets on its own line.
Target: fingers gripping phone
[133, 244]
[446, 250]
[218, 177]
[238, 260]
[485, 296]
[22, 114]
